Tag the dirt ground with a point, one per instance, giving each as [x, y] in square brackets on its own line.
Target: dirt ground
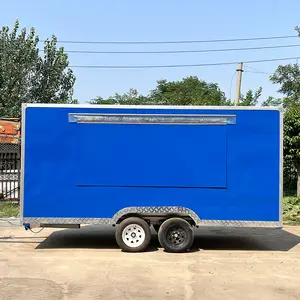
[86, 264]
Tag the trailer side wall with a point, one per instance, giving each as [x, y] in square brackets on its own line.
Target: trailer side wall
[222, 172]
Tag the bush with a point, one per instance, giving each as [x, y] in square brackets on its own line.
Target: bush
[291, 210]
[9, 210]
[289, 177]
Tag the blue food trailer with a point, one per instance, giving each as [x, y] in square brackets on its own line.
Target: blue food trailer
[170, 167]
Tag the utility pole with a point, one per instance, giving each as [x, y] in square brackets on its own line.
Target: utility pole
[238, 83]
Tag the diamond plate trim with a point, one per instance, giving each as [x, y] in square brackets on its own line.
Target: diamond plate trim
[94, 221]
[153, 210]
[224, 223]
[143, 210]
[156, 210]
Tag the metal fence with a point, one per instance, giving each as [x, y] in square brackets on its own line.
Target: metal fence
[9, 172]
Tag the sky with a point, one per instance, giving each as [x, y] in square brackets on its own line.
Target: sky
[94, 20]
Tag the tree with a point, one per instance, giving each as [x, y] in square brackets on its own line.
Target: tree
[130, 98]
[189, 91]
[251, 99]
[271, 101]
[291, 142]
[288, 77]
[26, 76]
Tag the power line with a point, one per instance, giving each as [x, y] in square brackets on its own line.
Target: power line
[179, 51]
[181, 65]
[177, 42]
[254, 70]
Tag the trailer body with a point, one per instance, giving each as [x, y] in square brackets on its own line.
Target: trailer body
[85, 164]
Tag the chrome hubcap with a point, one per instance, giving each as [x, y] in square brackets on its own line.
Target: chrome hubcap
[133, 235]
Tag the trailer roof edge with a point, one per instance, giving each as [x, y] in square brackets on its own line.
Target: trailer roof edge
[187, 107]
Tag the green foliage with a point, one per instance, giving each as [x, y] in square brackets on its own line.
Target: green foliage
[271, 101]
[291, 145]
[289, 177]
[27, 77]
[74, 101]
[291, 210]
[292, 134]
[291, 139]
[9, 210]
[288, 77]
[100, 100]
[251, 98]
[189, 91]
[130, 98]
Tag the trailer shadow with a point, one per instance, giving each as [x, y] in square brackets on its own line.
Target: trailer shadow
[93, 237]
[206, 238]
[247, 239]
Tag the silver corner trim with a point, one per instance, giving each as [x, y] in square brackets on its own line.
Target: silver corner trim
[280, 108]
[22, 172]
[281, 169]
[236, 223]
[156, 210]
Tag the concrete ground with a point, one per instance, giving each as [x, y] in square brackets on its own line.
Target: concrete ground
[86, 264]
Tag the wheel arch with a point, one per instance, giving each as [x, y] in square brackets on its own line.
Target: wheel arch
[148, 211]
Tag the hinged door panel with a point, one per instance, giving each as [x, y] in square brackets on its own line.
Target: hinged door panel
[151, 155]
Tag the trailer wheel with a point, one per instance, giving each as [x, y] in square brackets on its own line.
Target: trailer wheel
[176, 235]
[133, 235]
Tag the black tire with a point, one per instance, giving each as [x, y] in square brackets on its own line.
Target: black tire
[156, 227]
[176, 235]
[133, 235]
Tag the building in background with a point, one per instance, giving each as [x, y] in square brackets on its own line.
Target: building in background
[10, 130]
[10, 137]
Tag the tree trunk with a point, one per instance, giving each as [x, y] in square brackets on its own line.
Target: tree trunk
[298, 180]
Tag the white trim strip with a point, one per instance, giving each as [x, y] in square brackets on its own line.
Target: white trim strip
[153, 107]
